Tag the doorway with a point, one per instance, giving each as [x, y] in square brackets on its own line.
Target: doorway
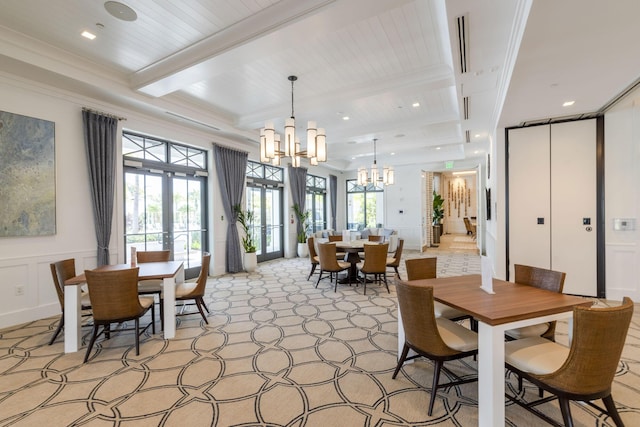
[266, 202]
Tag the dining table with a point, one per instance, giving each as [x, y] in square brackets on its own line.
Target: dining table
[170, 272]
[352, 249]
[511, 305]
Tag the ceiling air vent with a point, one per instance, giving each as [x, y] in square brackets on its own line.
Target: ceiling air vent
[463, 42]
[467, 135]
[189, 119]
[465, 106]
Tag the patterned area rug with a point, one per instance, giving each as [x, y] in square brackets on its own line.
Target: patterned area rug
[276, 352]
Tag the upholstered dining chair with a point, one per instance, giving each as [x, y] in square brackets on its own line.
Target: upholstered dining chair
[375, 264]
[313, 256]
[471, 229]
[188, 291]
[62, 271]
[374, 238]
[437, 339]
[330, 264]
[540, 278]
[394, 262]
[584, 372]
[426, 268]
[153, 286]
[115, 299]
[338, 238]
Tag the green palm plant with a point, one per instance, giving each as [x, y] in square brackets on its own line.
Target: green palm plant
[303, 222]
[438, 208]
[247, 219]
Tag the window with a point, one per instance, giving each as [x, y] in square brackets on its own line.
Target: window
[365, 205]
[316, 202]
[165, 198]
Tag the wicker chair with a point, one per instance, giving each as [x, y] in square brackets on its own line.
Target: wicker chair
[375, 263]
[583, 372]
[61, 271]
[339, 252]
[153, 286]
[330, 264]
[426, 268]
[195, 290]
[394, 262]
[439, 340]
[471, 229]
[114, 298]
[544, 279]
[313, 256]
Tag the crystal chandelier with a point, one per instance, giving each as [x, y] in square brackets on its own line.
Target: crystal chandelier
[387, 177]
[272, 148]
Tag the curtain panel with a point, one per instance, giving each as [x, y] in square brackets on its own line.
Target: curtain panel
[298, 179]
[231, 170]
[333, 190]
[100, 143]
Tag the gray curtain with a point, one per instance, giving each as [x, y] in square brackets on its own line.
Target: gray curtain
[333, 190]
[100, 143]
[231, 167]
[298, 179]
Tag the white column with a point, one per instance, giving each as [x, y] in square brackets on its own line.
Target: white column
[490, 375]
[72, 315]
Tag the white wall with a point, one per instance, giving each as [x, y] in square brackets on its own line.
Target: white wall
[404, 196]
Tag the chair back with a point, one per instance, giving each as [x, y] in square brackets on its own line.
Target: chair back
[114, 294]
[397, 255]
[375, 258]
[598, 339]
[419, 320]
[61, 271]
[539, 277]
[374, 238]
[421, 268]
[312, 248]
[201, 282]
[335, 238]
[327, 257]
[467, 225]
[153, 256]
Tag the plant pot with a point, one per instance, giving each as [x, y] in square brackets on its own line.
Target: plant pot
[250, 261]
[303, 250]
[437, 232]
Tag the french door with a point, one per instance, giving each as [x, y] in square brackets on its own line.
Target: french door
[266, 203]
[164, 210]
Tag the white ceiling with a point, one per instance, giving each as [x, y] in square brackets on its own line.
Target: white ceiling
[223, 64]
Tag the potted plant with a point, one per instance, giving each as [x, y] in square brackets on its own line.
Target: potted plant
[246, 220]
[438, 214]
[302, 227]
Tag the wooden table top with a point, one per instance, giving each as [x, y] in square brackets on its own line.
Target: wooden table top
[354, 244]
[148, 271]
[511, 301]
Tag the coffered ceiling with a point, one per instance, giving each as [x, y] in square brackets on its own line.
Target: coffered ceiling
[394, 68]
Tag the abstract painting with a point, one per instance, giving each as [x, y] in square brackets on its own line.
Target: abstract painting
[27, 176]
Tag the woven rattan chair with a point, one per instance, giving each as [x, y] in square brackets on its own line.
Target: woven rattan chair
[471, 229]
[540, 278]
[394, 262]
[114, 298]
[330, 264]
[188, 291]
[313, 256]
[61, 271]
[339, 252]
[153, 286]
[583, 372]
[375, 264]
[426, 268]
[439, 340]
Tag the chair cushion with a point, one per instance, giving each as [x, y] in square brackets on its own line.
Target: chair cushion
[535, 355]
[146, 302]
[344, 264]
[457, 336]
[390, 260]
[185, 288]
[528, 331]
[447, 312]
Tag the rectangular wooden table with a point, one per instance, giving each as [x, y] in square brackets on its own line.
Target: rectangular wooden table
[170, 272]
[511, 306]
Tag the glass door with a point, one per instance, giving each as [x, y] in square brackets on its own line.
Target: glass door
[164, 211]
[266, 203]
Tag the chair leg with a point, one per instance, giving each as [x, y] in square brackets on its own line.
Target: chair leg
[365, 283]
[396, 270]
[566, 411]
[137, 323]
[200, 303]
[613, 412]
[60, 326]
[384, 275]
[313, 268]
[161, 314]
[434, 387]
[319, 277]
[403, 356]
[153, 318]
[92, 341]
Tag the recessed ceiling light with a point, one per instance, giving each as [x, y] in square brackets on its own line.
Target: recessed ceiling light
[568, 103]
[437, 148]
[415, 104]
[345, 117]
[88, 35]
[393, 153]
[477, 135]
[120, 11]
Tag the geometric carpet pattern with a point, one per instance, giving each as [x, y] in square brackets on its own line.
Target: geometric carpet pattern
[276, 352]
